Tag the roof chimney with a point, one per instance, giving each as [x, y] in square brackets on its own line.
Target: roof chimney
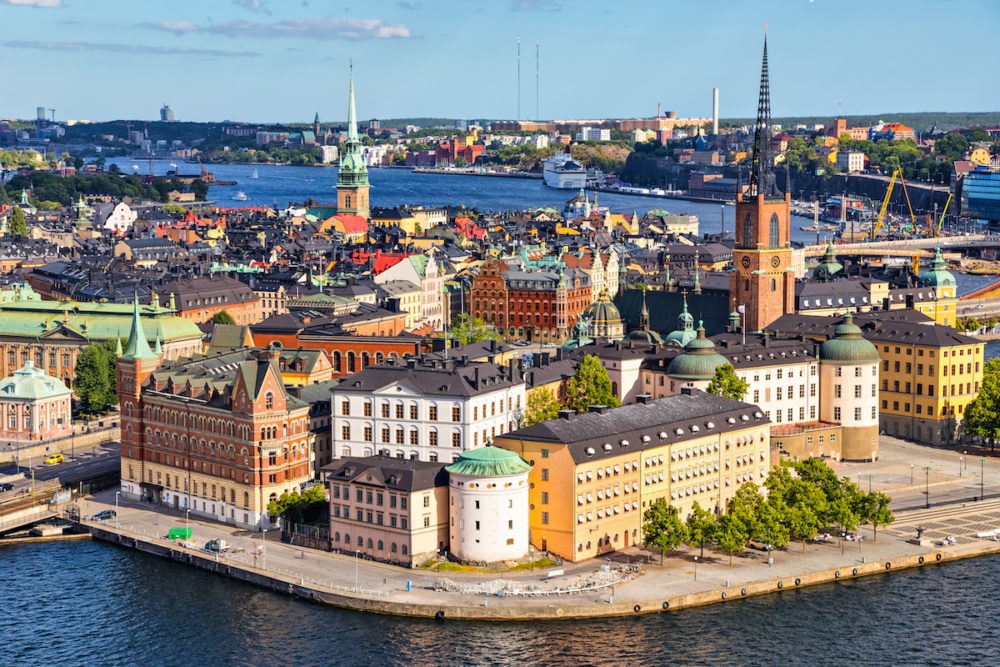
[687, 391]
[475, 376]
[599, 409]
[567, 414]
[644, 399]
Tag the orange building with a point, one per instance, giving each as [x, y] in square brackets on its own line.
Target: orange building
[199, 299]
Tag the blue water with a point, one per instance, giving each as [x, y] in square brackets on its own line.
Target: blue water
[90, 603]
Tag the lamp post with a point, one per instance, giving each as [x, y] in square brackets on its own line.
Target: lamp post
[356, 553]
[187, 522]
[117, 493]
[927, 486]
[911, 474]
[870, 483]
[981, 474]
[696, 568]
[961, 460]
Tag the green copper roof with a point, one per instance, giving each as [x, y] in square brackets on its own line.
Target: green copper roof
[829, 264]
[31, 382]
[848, 346]
[938, 275]
[352, 170]
[488, 461]
[686, 333]
[138, 346]
[699, 360]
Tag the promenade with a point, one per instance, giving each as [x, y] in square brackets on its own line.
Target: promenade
[584, 590]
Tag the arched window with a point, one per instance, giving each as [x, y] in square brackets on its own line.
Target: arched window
[269, 401]
[774, 285]
[773, 236]
[748, 231]
[350, 362]
[347, 201]
[336, 361]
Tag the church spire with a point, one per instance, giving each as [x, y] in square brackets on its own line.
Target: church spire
[137, 346]
[644, 314]
[762, 180]
[352, 175]
[352, 114]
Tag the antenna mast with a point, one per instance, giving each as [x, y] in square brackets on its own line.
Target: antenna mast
[518, 77]
[537, 116]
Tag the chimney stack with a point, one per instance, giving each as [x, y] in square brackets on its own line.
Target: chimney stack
[567, 414]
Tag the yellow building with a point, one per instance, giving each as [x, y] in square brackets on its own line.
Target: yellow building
[595, 474]
[979, 156]
[396, 217]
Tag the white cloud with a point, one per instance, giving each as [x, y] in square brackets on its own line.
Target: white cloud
[51, 4]
[326, 29]
[135, 49]
[252, 5]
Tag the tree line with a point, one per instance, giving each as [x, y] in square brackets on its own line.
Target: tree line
[795, 507]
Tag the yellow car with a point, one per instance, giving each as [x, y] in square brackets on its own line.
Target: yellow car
[54, 458]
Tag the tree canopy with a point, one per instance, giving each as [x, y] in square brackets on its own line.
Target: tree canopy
[298, 507]
[662, 528]
[466, 329]
[982, 415]
[726, 383]
[94, 380]
[541, 406]
[590, 385]
[18, 225]
[223, 317]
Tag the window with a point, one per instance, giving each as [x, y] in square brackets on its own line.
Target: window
[774, 232]
[427, 522]
[456, 414]
[368, 433]
[268, 401]
[857, 372]
[399, 411]
[433, 438]
[545, 518]
[857, 414]
[857, 391]
[413, 411]
[836, 414]
[368, 409]
[414, 437]
[545, 453]
[748, 232]
[345, 408]
[836, 390]
[456, 439]
[433, 416]
[385, 410]
[345, 432]
[545, 497]
[545, 474]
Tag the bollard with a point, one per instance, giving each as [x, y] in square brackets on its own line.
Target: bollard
[408, 586]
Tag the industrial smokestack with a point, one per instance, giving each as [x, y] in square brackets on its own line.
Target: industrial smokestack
[715, 111]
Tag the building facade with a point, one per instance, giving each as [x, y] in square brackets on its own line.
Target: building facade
[430, 410]
[34, 406]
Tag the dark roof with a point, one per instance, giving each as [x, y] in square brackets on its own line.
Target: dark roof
[894, 326]
[207, 291]
[382, 471]
[597, 435]
[432, 377]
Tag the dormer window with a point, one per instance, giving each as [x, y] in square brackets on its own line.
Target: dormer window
[268, 401]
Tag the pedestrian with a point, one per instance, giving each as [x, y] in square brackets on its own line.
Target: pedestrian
[303, 554]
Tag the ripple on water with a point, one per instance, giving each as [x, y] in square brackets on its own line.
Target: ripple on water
[92, 603]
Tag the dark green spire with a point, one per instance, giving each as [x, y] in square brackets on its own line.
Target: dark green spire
[137, 346]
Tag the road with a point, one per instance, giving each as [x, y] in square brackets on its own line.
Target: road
[87, 461]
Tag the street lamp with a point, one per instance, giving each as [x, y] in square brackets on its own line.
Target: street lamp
[961, 459]
[187, 522]
[117, 493]
[696, 568]
[927, 486]
[981, 478]
[870, 483]
[356, 553]
[911, 474]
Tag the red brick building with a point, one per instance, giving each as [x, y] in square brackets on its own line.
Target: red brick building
[530, 303]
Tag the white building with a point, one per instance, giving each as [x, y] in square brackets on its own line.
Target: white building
[423, 271]
[593, 134]
[121, 218]
[851, 161]
[426, 409]
[328, 154]
[488, 518]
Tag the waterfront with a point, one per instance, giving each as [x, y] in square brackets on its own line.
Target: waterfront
[108, 605]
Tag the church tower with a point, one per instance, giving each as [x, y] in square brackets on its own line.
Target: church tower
[763, 280]
[133, 365]
[352, 176]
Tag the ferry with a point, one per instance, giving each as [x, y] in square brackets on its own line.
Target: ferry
[241, 196]
[561, 171]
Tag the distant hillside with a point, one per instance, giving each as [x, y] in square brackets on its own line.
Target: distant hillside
[920, 121]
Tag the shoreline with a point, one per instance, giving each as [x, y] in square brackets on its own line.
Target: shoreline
[630, 597]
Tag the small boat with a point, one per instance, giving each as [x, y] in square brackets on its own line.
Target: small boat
[255, 174]
[241, 196]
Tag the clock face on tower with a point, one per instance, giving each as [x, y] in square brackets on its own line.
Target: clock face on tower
[775, 262]
[746, 262]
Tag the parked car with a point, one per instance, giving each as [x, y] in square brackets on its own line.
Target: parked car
[104, 515]
[54, 458]
[760, 546]
[219, 546]
[6, 486]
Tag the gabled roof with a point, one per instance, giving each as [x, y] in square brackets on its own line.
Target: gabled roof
[408, 475]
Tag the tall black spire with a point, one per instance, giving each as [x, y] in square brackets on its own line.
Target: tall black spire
[762, 180]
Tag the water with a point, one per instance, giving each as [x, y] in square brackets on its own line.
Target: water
[94, 603]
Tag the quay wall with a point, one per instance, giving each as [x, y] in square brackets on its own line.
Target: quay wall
[528, 609]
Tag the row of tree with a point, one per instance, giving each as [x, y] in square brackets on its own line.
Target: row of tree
[795, 507]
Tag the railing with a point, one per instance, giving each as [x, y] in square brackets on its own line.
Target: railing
[249, 560]
[25, 520]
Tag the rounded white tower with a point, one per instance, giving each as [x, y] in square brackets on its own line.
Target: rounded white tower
[488, 505]
[849, 369]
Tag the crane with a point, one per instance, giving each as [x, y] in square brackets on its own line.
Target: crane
[53, 112]
[880, 221]
[941, 221]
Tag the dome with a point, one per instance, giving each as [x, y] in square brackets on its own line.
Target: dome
[644, 337]
[684, 333]
[829, 265]
[699, 360]
[488, 461]
[579, 338]
[602, 312]
[848, 346]
[938, 275]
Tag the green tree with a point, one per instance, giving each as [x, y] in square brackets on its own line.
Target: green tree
[662, 528]
[541, 406]
[461, 162]
[94, 380]
[78, 162]
[100, 162]
[982, 415]
[466, 329]
[590, 385]
[878, 513]
[298, 507]
[199, 188]
[700, 526]
[726, 383]
[18, 226]
[730, 535]
[223, 317]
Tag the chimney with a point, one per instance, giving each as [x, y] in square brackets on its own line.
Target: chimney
[567, 414]
[475, 377]
[687, 391]
[644, 399]
[512, 368]
[465, 359]
[411, 362]
[599, 409]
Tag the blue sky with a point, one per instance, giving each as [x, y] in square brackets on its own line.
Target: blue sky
[283, 60]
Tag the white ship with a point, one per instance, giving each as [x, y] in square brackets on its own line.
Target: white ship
[241, 196]
[563, 172]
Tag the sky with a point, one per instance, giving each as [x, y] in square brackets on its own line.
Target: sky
[285, 60]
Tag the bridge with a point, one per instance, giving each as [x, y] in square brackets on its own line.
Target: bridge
[923, 247]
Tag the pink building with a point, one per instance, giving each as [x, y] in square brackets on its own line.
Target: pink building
[35, 406]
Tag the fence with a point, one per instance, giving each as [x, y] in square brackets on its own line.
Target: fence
[303, 535]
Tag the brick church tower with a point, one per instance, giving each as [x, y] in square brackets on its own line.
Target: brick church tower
[133, 365]
[352, 175]
[762, 281]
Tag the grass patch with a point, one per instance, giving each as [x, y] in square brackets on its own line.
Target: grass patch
[448, 566]
[539, 564]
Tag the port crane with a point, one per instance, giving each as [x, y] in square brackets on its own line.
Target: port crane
[880, 221]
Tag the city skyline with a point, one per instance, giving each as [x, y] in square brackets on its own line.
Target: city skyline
[458, 59]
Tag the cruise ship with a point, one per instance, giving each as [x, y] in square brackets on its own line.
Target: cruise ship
[562, 172]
